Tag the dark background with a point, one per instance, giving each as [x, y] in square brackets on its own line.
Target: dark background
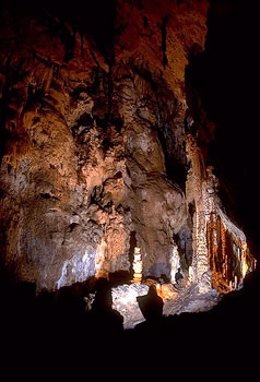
[226, 77]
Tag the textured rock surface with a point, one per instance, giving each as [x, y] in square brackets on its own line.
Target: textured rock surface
[220, 251]
[191, 300]
[94, 146]
[125, 302]
[84, 160]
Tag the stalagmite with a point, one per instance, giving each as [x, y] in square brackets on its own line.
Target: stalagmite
[137, 265]
[174, 263]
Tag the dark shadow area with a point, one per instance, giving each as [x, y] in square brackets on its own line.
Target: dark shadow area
[102, 316]
[223, 84]
[119, 278]
[93, 17]
[151, 305]
[59, 321]
[55, 330]
[132, 245]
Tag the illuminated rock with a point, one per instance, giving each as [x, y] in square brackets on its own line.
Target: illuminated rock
[93, 151]
[137, 265]
[217, 242]
[125, 302]
[174, 263]
[166, 291]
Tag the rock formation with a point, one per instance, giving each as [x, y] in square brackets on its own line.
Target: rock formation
[98, 145]
[125, 302]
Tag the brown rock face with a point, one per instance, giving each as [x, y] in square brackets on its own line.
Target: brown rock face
[95, 145]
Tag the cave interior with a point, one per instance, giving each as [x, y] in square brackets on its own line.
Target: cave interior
[128, 181]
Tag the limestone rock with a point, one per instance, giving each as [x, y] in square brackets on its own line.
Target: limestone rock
[125, 302]
[96, 146]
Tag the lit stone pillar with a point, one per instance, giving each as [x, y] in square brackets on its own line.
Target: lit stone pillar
[101, 260]
[199, 192]
[174, 263]
[202, 263]
[202, 192]
[137, 265]
[206, 207]
[191, 277]
[244, 265]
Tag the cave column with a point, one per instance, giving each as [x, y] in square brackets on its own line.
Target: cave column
[244, 265]
[137, 265]
[197, 192]
[101, 270]
[202, 263]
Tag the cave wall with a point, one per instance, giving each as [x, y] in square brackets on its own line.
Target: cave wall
[221, 257]
[222, 78]
[94, 144]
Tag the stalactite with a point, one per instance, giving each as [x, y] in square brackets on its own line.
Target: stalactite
[229, 257]
[214, 235]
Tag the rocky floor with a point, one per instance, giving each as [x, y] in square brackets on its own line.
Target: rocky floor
[132, 301]
[192, 301]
